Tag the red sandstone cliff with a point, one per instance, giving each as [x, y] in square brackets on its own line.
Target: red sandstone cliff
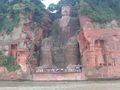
[100, 50]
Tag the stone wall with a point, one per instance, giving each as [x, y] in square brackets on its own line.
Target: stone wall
[58, 77]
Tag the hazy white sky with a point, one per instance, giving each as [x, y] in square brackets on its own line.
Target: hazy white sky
[47, 2]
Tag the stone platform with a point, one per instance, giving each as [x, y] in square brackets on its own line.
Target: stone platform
[57, 76]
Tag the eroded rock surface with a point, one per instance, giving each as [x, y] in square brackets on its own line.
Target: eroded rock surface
[99, 49]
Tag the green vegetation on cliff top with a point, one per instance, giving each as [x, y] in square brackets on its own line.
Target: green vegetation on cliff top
[101, 11]
[10, 10]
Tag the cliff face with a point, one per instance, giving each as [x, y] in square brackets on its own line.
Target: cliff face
[99, 49]
[87, 48]
[19, 44]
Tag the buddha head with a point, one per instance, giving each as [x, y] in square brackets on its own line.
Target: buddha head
[66, 10]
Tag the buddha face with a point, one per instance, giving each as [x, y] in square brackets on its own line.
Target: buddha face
[65, 11]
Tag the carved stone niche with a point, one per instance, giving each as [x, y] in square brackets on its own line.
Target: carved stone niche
[100, 59]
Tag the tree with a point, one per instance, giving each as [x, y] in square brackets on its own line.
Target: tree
[10, 10]
[101, 11]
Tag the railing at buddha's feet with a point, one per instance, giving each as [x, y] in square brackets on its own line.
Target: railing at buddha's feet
[77, 69]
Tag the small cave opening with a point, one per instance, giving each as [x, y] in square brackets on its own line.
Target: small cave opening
[13, 50]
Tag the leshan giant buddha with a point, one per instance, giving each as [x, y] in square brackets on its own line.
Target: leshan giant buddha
[63, 44]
